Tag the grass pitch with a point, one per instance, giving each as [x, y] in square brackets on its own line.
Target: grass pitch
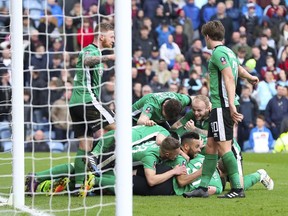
[258, 201]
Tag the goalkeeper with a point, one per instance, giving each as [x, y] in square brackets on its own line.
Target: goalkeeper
[87, 112]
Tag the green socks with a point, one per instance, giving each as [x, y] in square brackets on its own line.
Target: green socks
[230, 164]
[79, 168]
[208, 169]
[62, 170]
[250, 180]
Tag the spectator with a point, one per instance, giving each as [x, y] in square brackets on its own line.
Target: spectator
[163, 31]
[174, 78]
[182, 66]
[180, 38]
[39, 61]
[264, 47]
[145, 42]
[249, 108]
[69, 31]
[196, 48]
[270, 66]
[76, 14]
[85, 34]
[173, 88]
[169, 51]
[170, 10]
[5, 62]
[137, 92]
[146, 89]
[283, 60]
[108, 92]
[265, 91]
[37, 143]
[249, 20]
[107, 8]
[60, 117]
[149, 7]
[260, 60]
[207, 11]
[234, 13]
[225, 20]
[149, 73]
[243, 45]
[260, 138]
[163, 73]
[194, 83]
[198, 66]
[282, 79]
[39, 99]
[193, 12]
[276, 109]
[93, 15]
[5, 97]
[48, 27]
[187, 25]
[258, 9]
[55, 67]
[159, 17]
[56, 11]
[156, 85]
[275, 12]
[283, 35]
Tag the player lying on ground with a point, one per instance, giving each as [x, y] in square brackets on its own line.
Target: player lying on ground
[148, 154]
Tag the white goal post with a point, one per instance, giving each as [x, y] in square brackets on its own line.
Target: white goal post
[123, 101]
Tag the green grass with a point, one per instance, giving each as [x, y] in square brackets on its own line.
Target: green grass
[258, 200]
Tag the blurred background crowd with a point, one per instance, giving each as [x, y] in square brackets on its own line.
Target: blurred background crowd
[169, 54]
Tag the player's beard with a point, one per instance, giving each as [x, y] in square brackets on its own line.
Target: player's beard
[106, 44]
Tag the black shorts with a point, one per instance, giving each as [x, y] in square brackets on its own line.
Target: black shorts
[89, 118]
[220, 124]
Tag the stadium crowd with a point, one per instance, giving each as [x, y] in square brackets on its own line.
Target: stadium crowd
[169, 54]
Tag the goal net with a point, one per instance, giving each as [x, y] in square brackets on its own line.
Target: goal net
[54, 32]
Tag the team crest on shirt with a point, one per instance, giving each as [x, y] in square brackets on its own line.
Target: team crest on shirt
[148, 110]
[223, 60]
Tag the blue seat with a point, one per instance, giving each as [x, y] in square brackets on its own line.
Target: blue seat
[56, 147]
[6, 146]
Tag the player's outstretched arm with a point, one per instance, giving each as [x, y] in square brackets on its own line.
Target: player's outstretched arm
[246, 75]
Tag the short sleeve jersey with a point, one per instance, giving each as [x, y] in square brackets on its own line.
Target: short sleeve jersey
[146, 154]
[191, 167]
[86, 80]
[142, 133]
[151, 104]
[222, 57]
[204, 124]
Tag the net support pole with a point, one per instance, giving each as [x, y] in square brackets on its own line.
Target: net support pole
[123, 41]
[17, 103]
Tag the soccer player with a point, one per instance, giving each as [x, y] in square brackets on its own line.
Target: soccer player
[87, 112]
[224, 69]
[195, 120]
[157, 108]
[140, 134]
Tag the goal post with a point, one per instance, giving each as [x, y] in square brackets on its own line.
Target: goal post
[123, 108]
[17, 104]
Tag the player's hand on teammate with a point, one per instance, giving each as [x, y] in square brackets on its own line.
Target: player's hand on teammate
[236, 117]
[190, 126]
[180, 170]
[111, 57]
[150, 123]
